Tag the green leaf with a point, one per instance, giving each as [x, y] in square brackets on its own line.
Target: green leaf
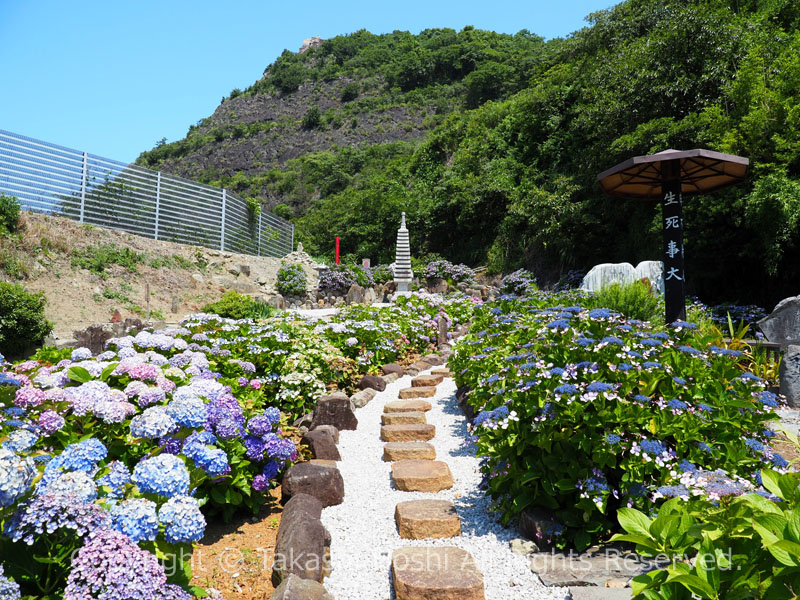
[794, 524]
[694, 584]
[634, 521]
[706, 564]
[198, 592]
[769, 480]
[762, 504]
[108, 371]
[787, 553]
[79, 374]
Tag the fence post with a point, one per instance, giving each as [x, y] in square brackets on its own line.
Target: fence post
[158, 201]
[259, 234]
[84, 177]
[222, 228]
[291, 245]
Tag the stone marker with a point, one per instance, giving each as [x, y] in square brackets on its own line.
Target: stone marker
[420, 519]
[323, 483]
[441, 573]
[336, 410]
[372, 381]
[421, 475]
[408, 433]
[295, 588]
[417, 392]
[403, 418]
[393, 451]
[322, 444]
[783, 324]
[414, 405]
[427, 380]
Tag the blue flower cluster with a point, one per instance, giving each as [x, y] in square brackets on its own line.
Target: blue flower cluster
[49, 513]
[136, 518]
[188, 411]
[182, 520]
[16, 476]
[154, 422]
[165, 475]
[9, 590]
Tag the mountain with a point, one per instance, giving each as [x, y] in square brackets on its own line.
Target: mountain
[491, 143]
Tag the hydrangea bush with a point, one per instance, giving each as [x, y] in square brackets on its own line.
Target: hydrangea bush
[444, 269]
[338, 278]
[128, 452]
[582, 411]
[291, 280]
[520, 282]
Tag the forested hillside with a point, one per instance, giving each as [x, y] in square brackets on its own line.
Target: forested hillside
[491, 143]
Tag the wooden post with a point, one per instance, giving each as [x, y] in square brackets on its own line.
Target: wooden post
[672, 213]
[147, 299]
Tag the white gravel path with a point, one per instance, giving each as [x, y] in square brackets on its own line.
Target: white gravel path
[363, 529]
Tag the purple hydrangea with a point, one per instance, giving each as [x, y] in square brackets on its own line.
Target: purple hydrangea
[9, 590]
[112, 567]
[50, 422]
[49, 513]
[80, 354]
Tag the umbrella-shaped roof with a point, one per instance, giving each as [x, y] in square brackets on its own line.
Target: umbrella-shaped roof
[701, 171]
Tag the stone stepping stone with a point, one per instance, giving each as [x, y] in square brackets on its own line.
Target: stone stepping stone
[421, 475]
[426, 380]
[407, 406]
[408, 433]
[443, 371]
[393, 451]
[420, 519]
[441, 573]
[403, 418]
[427, 391]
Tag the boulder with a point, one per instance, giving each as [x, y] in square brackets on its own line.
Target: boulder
[362, 398]
[370, 297]
[295, 588]
[606, 274]
[433, 359]
[790, 375]
[393, 368]
[653, 271]
[336, 410]
[372, 381]
[436, 286]
[323, 483]
[461, 399]
[302, 546]
[322, 444]
[782, 326]
[355, 295]
[330, 429]
[277, 301]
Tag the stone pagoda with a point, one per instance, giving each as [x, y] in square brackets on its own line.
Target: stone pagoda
[402, 262]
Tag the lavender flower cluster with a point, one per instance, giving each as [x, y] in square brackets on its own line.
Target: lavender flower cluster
[291, 280]
[444, 269]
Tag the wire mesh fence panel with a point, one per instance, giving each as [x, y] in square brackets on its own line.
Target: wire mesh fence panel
[51, 179]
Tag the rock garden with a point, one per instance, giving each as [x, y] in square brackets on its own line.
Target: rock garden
[447, 445]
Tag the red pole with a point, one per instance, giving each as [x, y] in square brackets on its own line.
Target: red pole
[337, 250]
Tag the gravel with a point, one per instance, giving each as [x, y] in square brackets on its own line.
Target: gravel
[363, 530]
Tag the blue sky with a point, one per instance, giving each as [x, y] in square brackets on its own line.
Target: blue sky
[112, 77]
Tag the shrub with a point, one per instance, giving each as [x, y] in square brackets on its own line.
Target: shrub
[22, 320]
[339, 278]
[234, 305]
[741, 543]
[583, 412]
[312, 119]
[382, 273]
[519, 282]
[97, 258]
[350, 91]
[571, 280]
[9, 214]
[634, 300]
[444, 269]
[292, 280]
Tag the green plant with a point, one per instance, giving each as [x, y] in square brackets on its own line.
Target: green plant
[9, 214]
[22, 321]
[51, 355]
[634, 300]
[291, 280]
[11, 263]
[350, 91]
[312, 118]
[722, 542]
[97, 258]
[234, 305]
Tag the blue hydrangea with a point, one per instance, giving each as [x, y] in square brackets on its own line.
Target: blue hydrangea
[558, 324]
[676, 404]
[20, 441]
[212, 460]
[254, 448]
[754, 445]
[259, 425]
[165, 475]
[679, 380]
[182, 520]
[653, 447]
[48, 513]
[613, 438]
[597, 387]
[612, 339]
[136, 518]
[271, 469]
[229, 429]
[768, 399]
[566, 389]
[584, 341]
[188, 411]
[673, 491]
[600, 313]
[116, 479]
[16, 476]
[153, 423]
[74, 482]
[689, 350]
[9, 590]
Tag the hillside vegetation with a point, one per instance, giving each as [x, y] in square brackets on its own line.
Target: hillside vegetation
[491, 143]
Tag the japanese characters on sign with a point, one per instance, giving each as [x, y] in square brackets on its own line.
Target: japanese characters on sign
[674, 276]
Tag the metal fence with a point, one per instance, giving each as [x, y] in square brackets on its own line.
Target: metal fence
[91, 189]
